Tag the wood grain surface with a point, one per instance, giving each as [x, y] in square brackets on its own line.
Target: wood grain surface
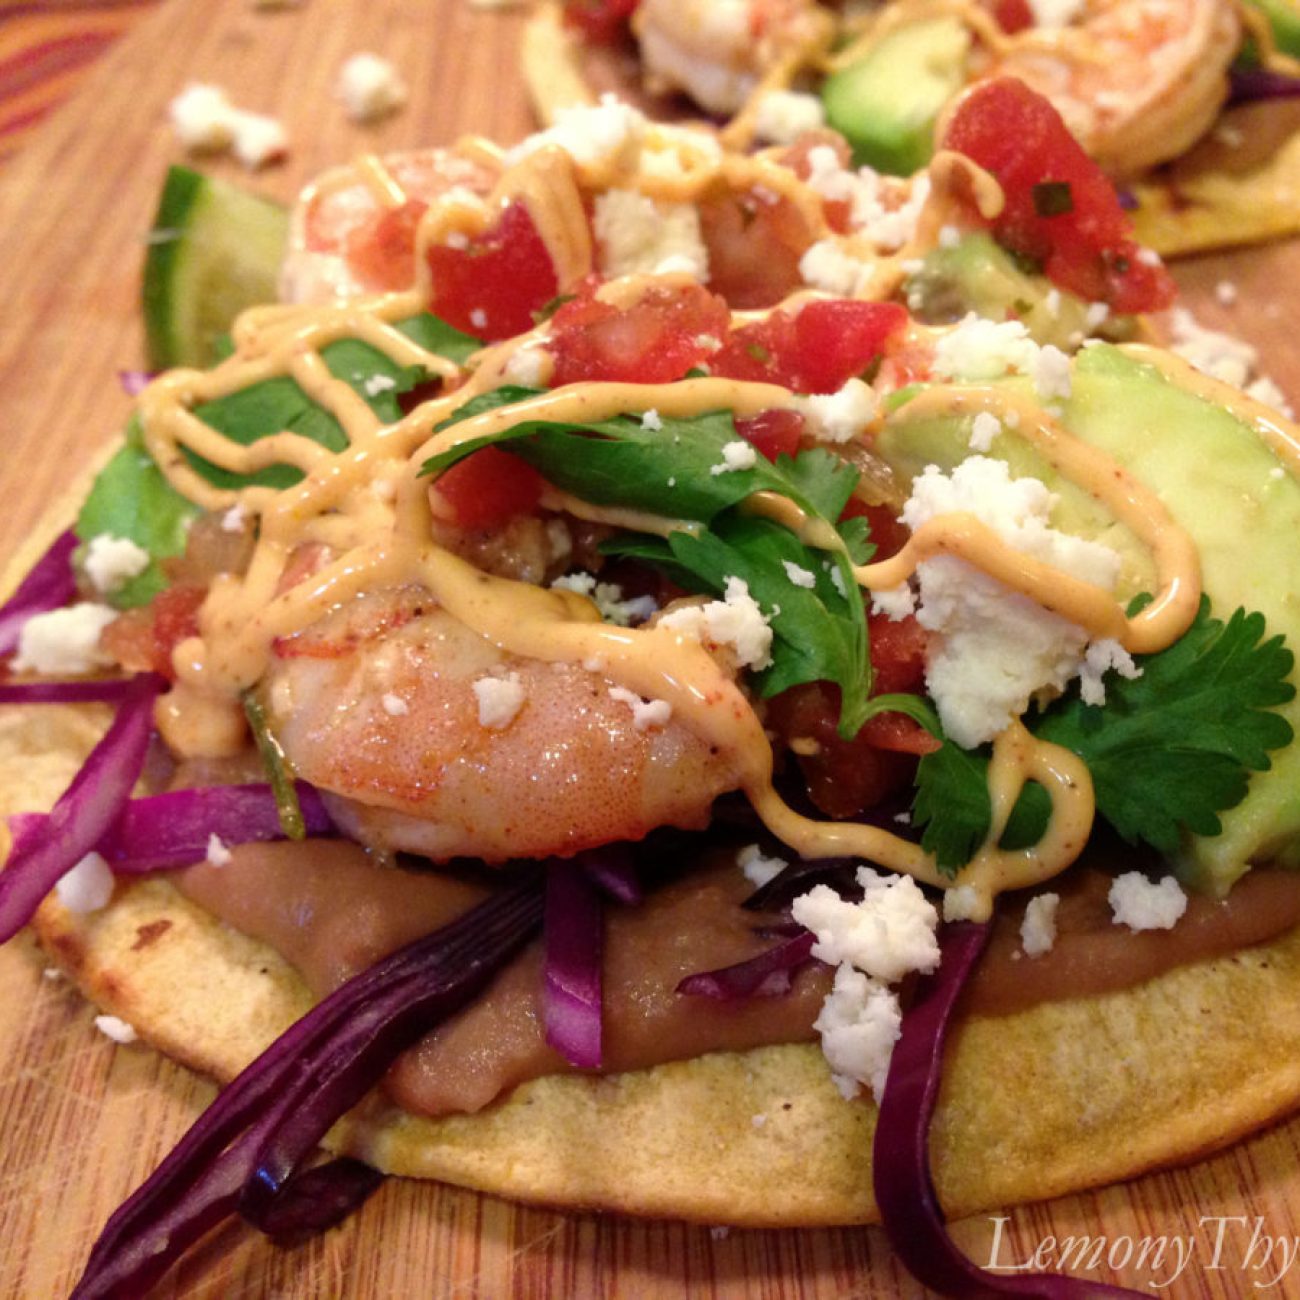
[82, 1122]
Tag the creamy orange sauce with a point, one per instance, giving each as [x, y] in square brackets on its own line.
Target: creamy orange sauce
[370, 504]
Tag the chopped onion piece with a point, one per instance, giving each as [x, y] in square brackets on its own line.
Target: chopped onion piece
[909, 1208]
[50, 585]
[768, 975]
[612, 870]
[84, 813]
[134, 382]
[571, 996]
[242, 1152]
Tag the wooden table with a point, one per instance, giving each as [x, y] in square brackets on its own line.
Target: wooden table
[83, 1121]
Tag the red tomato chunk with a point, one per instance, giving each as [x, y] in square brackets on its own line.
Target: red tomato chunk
[817, 350]
[489, 487]
[773, 433]
[1061, 210]
[493, 288]
[655, 341]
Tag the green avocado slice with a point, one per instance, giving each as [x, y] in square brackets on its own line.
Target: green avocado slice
[1221, 483]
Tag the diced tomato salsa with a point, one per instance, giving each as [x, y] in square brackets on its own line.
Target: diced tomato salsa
[1061, 210]
[142, 640]
[493, 288]
[656, 340]
[755, 241]
[381, 251]
[773, 433]
[600, 21]
[489, 487]
[815, 350]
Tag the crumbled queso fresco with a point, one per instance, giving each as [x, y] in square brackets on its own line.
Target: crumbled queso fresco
[871, 943]
[784, 115]
[759, 869]
[1038, 929]
[840, 416]
[111, 562]
[735, 621]
[499, 700]
[1144, 904]
[993, 648]
[976, 349]
[638, 234]
[88, 887]
[64, 642]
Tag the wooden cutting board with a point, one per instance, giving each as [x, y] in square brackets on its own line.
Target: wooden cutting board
[82, 1122]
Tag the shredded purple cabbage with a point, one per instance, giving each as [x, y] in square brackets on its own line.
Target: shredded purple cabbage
[1251, 84]
[243, 1152]
[571, 984]
[50, 585]
[909, 1208]
[84, 813]
[169, 830]
[769, 975]
[798, 877]
[112, 691]
[316, 1199]
[613, 871]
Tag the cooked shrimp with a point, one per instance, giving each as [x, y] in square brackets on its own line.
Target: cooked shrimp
[718, 51]
[1137, 81]
[353, 229]
[427, 738]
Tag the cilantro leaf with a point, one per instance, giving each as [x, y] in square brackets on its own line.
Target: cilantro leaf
[435, 335]
[818, 634]
[674, 470]
[667, 470]
[1168, 751]
[131, 498]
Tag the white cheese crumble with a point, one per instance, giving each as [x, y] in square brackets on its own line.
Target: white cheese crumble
[962, 903]
[984, 428]
[887, 935]
[218, 854]
[896, 603]
[528, 366]
[735, 621]
[1226, 292]
[645, 713]
[828, 267]
[87, 887]
[111, 562]
[1229, 360]
[118, 1030]
[478, 318]
[759, 869]
[64, 641]
[652, 420]
[369, 87]
[841, 416]
[1143, 904]
[993, 648]
[234, 519]
[736, 456]
[1102, 657]
[640, 235]
[859, 1023]
[977, 349]
[395, 706]
[1038, 929]
[499, 700]
[377, 384]
[798, 575]
[258, 139]
[608, 599]
[608, 132]
[202, 118]
[784, 115]
[1055, 14]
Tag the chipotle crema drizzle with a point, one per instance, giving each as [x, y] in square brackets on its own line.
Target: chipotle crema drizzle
[370, 507]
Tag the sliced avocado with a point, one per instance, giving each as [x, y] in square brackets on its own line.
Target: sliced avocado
[1222, 484]
[976, 274]
[1284, 18]
[886, 103]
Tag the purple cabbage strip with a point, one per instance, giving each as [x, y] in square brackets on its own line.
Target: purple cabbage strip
[242, 1152]
[1251, 84]
[50, 585]
[769, 975]
[317, 1199]
[84, 813]
[571, 997]
[112, 691]
[613, 871]
[909, 1207]
[798, 877]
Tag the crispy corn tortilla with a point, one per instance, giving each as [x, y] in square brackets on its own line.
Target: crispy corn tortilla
[1064, 1096]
